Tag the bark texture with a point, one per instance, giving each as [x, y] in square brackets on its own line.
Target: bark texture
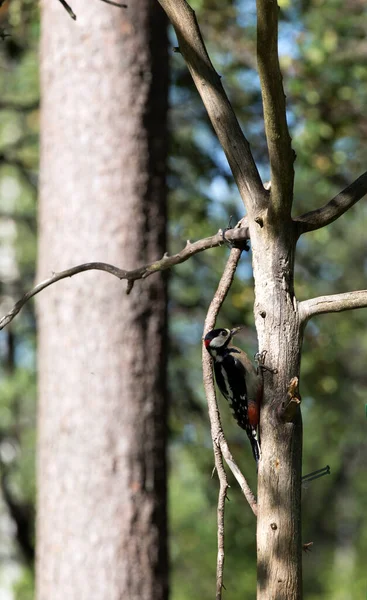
[102, 392]
[279, 479]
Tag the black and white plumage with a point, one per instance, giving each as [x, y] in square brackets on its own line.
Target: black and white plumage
[238, 380]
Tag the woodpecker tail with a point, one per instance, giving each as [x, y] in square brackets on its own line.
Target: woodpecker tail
[255, 446]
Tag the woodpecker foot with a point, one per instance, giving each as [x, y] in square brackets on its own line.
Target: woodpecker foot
[307, 547]
[260, 359]
[244, 245]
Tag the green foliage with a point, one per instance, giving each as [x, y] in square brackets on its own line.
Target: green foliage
[24, 587]
[18, 176]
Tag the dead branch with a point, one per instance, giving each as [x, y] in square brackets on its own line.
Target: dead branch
[222, 495]
[216, 429]
[70, 11]
[220, 112]
[238, 236]
[334, 303]
[315, 219]
[220, 445]
[315, 475]
[307, 547]
[115, 3]
[246, 490]
[15, 106]
[281, 155]
[289, 409]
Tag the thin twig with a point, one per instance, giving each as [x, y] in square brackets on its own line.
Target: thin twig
[307, 547]
[223, 288]
[220, 445]
[238, 235]
[223, 487]
[12, 105]
[115, 3]
[333, 303]
[246, 490]
[68, 9]
[334, 209]
[316, 474]
[216, 429]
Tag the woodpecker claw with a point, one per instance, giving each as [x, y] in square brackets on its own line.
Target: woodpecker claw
[260, 359]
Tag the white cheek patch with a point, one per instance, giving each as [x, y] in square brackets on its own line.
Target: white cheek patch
[219, 341]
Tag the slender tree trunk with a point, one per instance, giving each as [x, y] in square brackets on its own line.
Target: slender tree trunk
[101, 526]
[279, 479]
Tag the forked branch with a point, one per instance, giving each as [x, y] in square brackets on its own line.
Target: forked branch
[334, 303]
[237, 236]
[281, 155]
[221, 449]
[315, 219]
[220, 112]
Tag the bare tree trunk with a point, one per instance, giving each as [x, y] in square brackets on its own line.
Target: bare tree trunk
[101, 527]
[273, 239]
[279, 479]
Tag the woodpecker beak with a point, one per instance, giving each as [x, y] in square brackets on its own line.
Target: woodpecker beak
[236, 330]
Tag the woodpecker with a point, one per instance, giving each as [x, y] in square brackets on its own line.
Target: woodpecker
[238, 380]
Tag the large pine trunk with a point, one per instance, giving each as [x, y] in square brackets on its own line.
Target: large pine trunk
[101, 526]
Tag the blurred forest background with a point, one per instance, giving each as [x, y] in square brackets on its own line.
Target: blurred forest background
[324, 61]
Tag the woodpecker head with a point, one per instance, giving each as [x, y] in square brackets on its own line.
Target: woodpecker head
[218, 339]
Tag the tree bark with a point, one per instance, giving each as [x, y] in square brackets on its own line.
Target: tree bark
[101, 526]
[279, 479]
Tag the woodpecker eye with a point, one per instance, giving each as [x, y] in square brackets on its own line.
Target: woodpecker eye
[223, 333]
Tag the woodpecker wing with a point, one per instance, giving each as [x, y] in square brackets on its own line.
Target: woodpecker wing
[230, 377]
[231, 371]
